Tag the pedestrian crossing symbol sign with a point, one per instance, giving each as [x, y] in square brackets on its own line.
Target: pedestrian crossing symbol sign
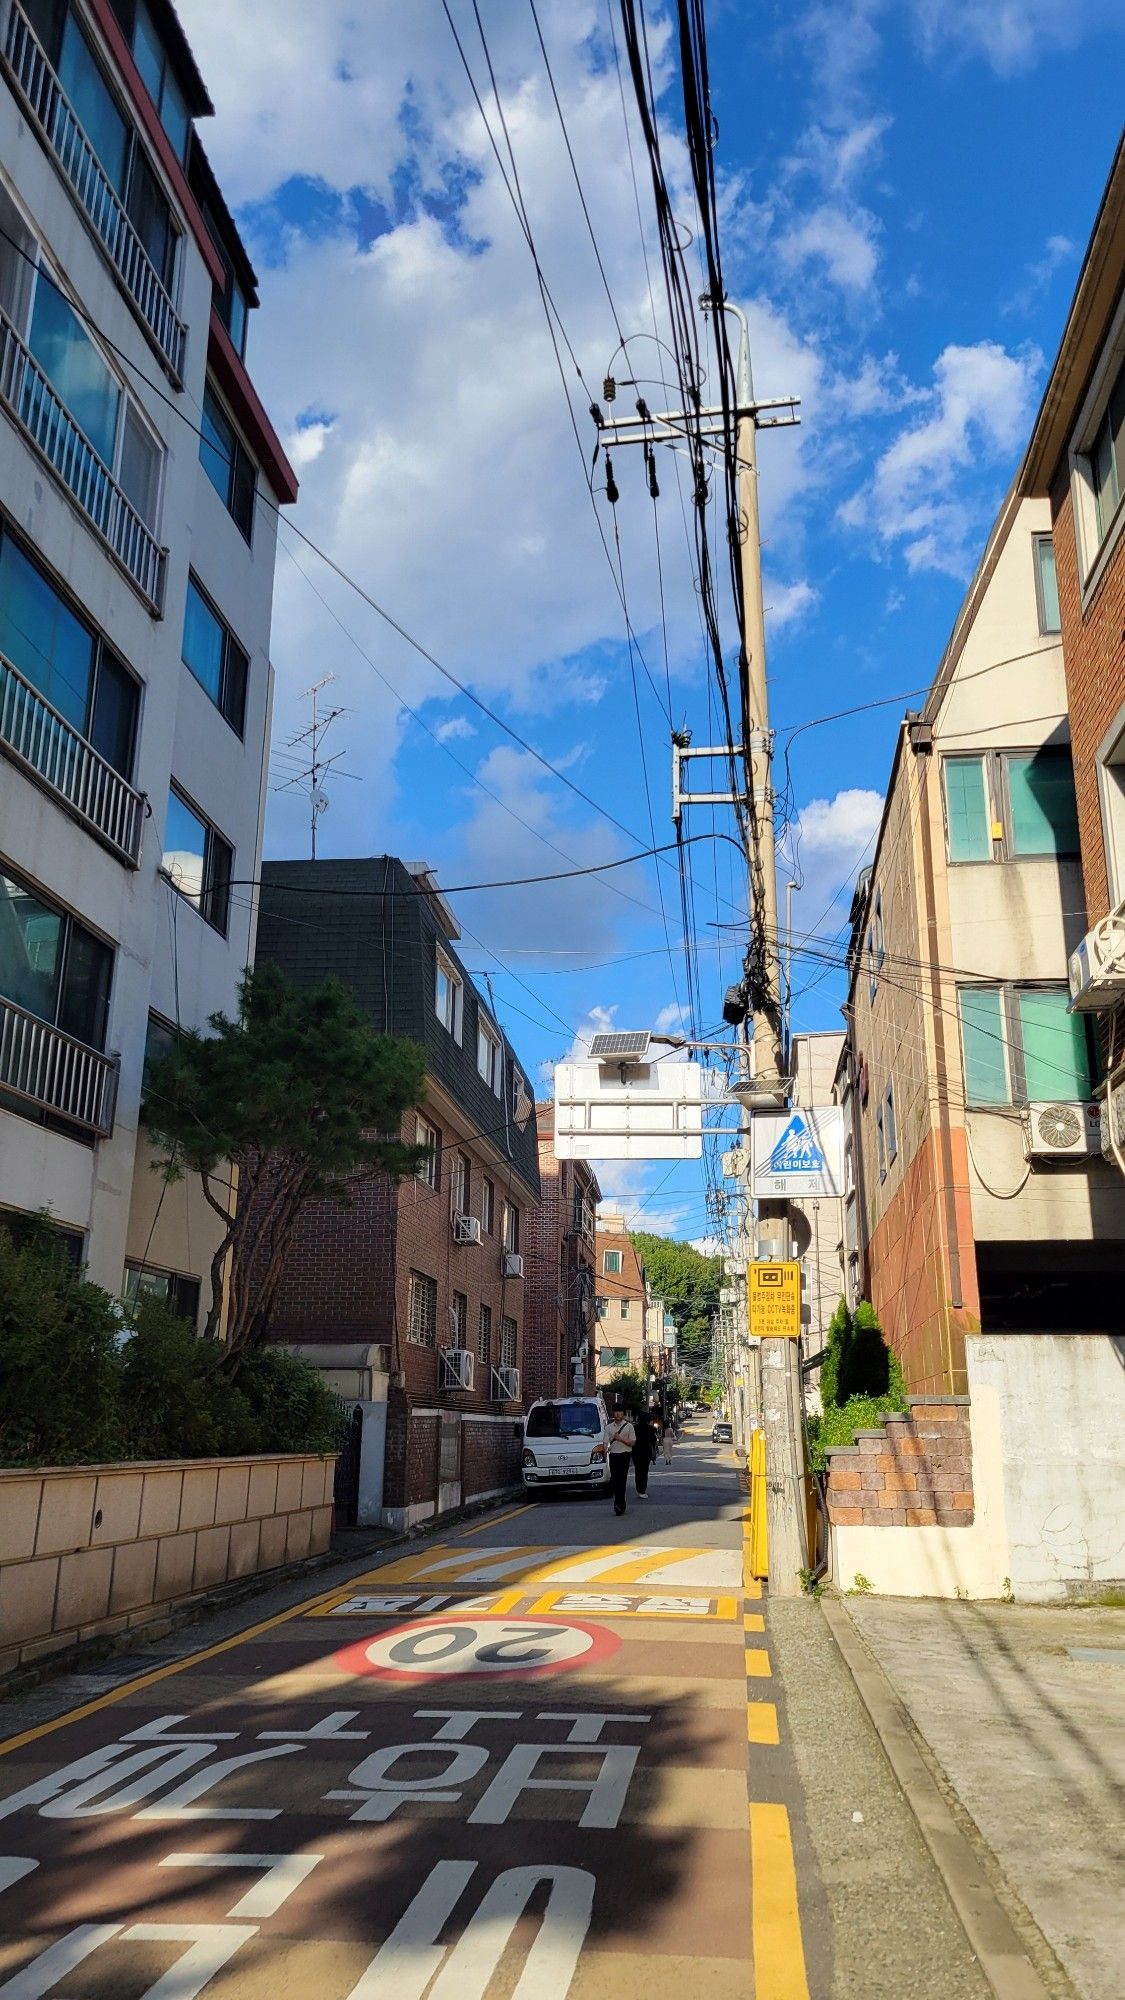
[775, 1301]
[798, 1152]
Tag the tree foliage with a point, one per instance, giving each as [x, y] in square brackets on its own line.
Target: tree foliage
[857, 1360]
[303, 1098]
[688, 1282]
[85, 1380]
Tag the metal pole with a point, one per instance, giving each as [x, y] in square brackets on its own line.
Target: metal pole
[784, 1443]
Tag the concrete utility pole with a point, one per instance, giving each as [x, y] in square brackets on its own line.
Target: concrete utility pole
[780, 1376]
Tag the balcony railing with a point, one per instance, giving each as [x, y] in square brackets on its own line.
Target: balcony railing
[45, 743]
[52, 111]
[54, 1071]
[46, 421]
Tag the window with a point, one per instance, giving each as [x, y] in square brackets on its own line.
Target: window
[849, 1167]
[509, 1339]
[422, 1310]
[880, 1141]
[510, 1226]
[151, 59]
[890, 1125]
[488, 1055]
[611, 1262]
[213, 655]
[484, 1336]
[51, 965]
[181, 1294]
[488, 1206]
[875, 949]
[59, 342]
[65, 660]
[1021, 1046]
[1010, 805]
[122, 157]
[198, 861]
[448, 996]
[427, 1135]
[625, 1308]
[229, 468]
[459, 1319]
[601, 1306]
[160, 1040]
[460, 1184]
[1106, 458]
[1046, 583]
[613, 1357]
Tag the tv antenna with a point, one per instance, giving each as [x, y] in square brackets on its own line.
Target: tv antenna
[312, 778]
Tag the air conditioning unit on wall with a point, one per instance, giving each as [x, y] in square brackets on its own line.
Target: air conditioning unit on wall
[1062, 1131]
[512, 1264]
[456, 1368]
[506, 1384]
[466, 1229]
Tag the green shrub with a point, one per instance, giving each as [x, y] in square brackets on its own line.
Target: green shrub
[85, 1380]
[628, 1386]
[839, 1335]
[840, 1423]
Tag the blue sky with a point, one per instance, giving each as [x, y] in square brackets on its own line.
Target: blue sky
[907, 187]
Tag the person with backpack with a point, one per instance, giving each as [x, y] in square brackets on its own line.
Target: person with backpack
[622, 1444]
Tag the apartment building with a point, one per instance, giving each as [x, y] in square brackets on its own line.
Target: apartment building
[139, 485]
[975, 1160]
[422, 1284]
[559, 1335]
[1076, 462]
[622, 1296]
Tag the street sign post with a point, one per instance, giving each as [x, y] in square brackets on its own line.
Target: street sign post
[775, 1301]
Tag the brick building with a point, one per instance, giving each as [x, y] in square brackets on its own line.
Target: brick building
[424, 1279]
[1076, 460]
[559, 1282]
[622, 1297]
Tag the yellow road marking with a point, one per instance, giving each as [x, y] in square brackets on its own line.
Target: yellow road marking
[761, 1722]
[494, 1520]
[758, 1663]
[552, 1601]
[132, 1687]
[753, 1622]
[779, 1956]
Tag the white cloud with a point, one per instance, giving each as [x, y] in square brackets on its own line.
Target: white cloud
[842, 243]
[787, 603]
[1058, 252]
[919, 498]
[834, 838]
[1011, 35]
[456, 726]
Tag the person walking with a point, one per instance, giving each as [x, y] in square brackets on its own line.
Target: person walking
[622, 1443]
[668, 1440]
[644, 1452]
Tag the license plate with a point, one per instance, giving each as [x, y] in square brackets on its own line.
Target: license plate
[564, 1471]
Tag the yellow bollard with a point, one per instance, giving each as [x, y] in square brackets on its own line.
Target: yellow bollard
[757, 1547]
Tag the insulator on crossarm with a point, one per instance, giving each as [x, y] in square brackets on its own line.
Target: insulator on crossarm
[611, 492]
[650, 468]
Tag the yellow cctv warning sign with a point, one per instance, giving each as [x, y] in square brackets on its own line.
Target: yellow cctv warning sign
[775, 1301]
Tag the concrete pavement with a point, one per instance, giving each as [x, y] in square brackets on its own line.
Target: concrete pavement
[550, 1754]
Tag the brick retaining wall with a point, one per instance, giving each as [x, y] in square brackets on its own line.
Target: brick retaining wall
[915, 1471]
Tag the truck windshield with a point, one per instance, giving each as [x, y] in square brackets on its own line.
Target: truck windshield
[553, 1420]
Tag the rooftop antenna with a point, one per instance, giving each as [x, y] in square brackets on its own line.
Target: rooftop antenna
[313, 777]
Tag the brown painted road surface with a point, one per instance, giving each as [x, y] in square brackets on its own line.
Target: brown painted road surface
[540, 1757]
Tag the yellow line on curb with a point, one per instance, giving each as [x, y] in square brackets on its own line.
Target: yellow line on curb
[752, 1621]
[494, 1520]
[758, 1663]
[779, 1956]
[761, 1723]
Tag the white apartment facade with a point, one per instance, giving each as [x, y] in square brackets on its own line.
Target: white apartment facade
[139, 485]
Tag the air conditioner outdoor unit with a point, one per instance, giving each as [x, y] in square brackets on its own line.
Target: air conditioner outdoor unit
[512, 1264]
[456, 1368]
[506, 1384]
[1062, 1131]
[1097, 968]
[466, 1229]
[1113, 1121]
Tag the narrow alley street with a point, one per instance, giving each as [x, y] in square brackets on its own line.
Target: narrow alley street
[541, 1755]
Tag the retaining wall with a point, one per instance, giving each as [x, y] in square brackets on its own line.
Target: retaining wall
[88, 1551]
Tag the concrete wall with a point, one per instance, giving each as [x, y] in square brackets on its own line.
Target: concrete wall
[88, 1551]
[1061, 1400]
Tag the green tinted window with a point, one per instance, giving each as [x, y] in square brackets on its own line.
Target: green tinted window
[970, 835]
[982, 1042]
[1056, 1058]
[1041, 796]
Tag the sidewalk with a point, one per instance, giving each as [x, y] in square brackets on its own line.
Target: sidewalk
[1023, 1710]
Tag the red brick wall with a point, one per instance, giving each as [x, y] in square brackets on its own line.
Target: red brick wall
[1094, 658]
[916, 1472]
[909, 1270]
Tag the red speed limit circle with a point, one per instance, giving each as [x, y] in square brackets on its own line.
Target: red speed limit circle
[502, 1648]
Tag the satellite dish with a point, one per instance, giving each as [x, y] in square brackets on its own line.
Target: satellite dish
[320, 803]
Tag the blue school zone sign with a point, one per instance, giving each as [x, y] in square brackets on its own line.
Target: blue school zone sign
[798, 1153]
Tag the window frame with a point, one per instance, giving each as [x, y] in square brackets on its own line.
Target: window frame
[484, 1335]
[488, 1205]
[460, 1183]
[69, 922]
[183, 1295]
[1012, 1044]
[996, 780]
[428, 1172]
[232, 711]
[212, 885]
[510, 1226]
[509, 1341]
[488, 1036]
[239, 463]
[1095, 546]
[890, 1124]
[444, 968]
[421, 1287]
[1040, 543]
[101, 653]
[459, 1320]
[611, 1270]
[623, 1308]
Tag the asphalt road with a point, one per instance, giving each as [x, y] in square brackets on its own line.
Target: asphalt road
[546, 1755]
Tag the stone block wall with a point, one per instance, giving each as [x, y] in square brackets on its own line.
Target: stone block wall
[915, 1471]
[89, 1551]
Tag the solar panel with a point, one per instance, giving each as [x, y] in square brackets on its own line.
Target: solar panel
[631, 1047]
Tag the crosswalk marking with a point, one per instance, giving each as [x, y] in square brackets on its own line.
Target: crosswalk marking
[640, 1562]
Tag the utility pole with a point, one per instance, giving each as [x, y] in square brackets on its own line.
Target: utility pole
[768, 1085]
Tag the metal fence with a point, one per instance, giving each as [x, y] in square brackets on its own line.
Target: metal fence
[42, 740]
[41, 1065]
